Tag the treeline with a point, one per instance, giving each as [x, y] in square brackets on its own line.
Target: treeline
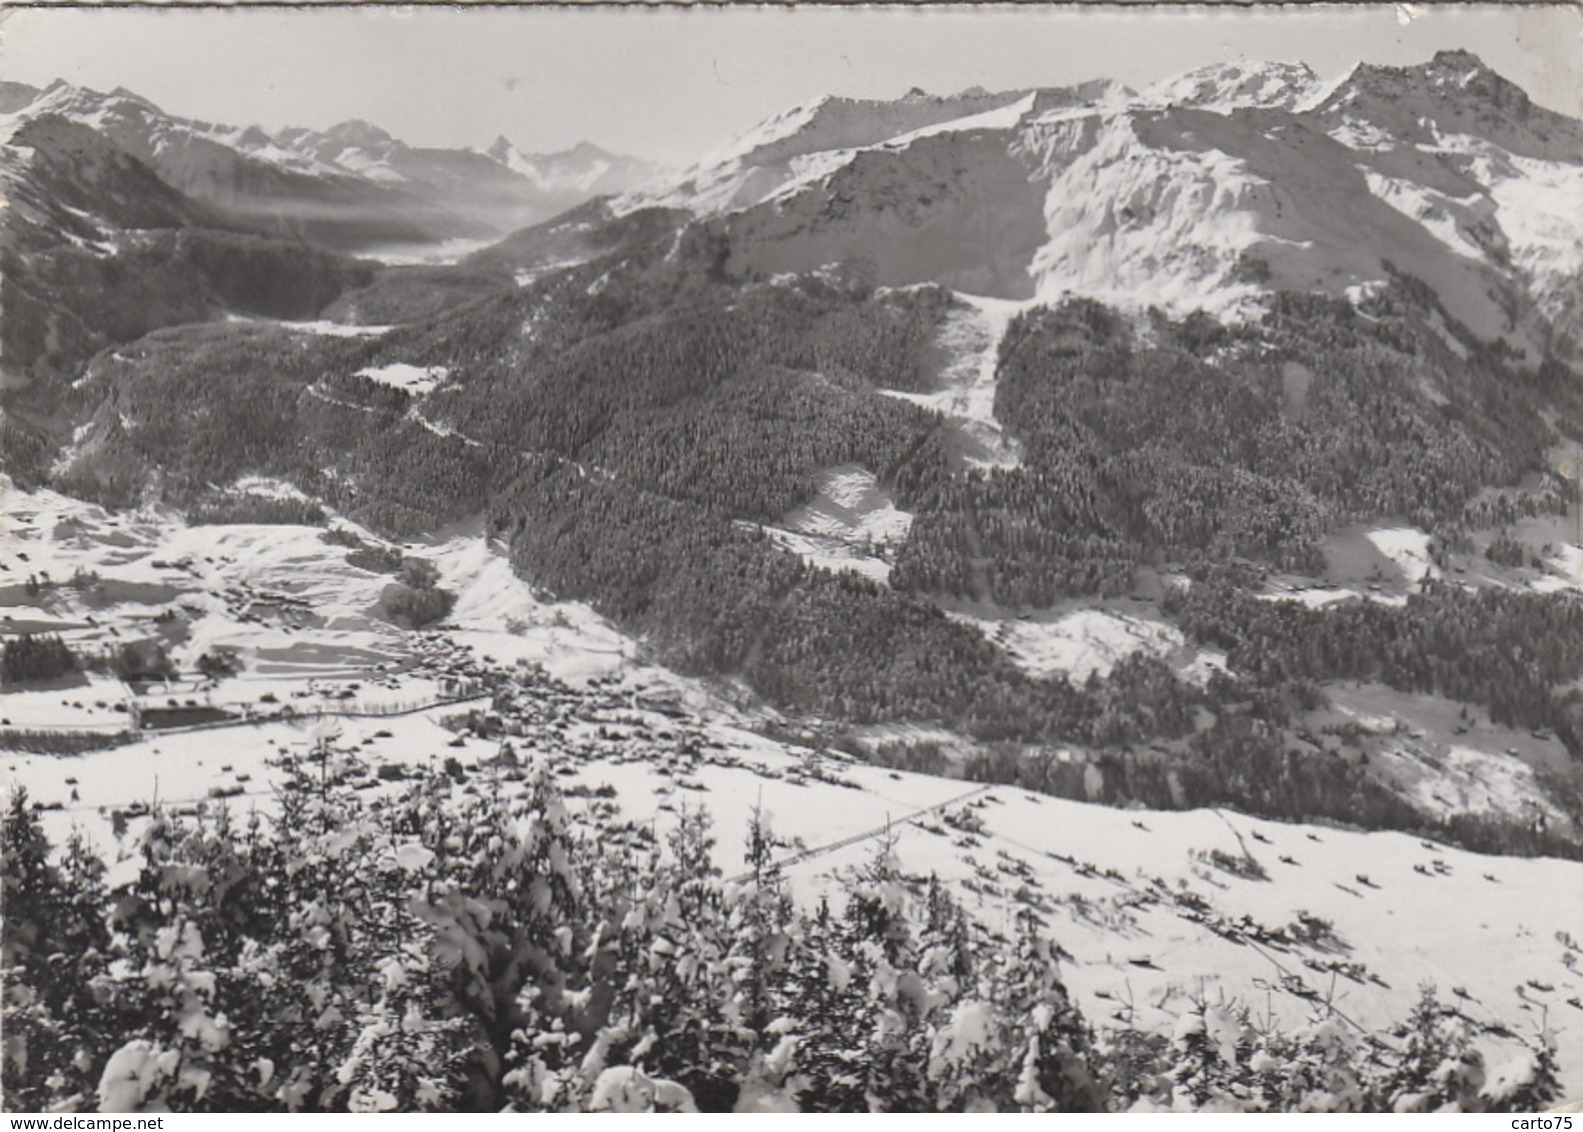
[735, 399]
[36, 658]
[1022, 538]
[715, 597]
[246, 507]
[71, 300]
[206, 405]
[1245, 761]
[210, 405]
[731, 399]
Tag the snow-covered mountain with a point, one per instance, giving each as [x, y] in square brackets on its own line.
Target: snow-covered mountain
[807, 140]
[579, 173]
[1206, 191]
[1232, 86]
[66, 182]
[351, 186]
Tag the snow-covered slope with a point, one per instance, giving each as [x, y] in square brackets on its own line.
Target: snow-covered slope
[792, 145]
[849, 524]
[1230, 86]
[1154, 910]
[1205, 191]
[282, 598]
[180, 149]
[965, 389]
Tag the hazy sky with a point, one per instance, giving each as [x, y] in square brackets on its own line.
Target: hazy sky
[673, 83]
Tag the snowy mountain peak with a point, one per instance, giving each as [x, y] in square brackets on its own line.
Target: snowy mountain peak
[1447, 73]
[809, 139]
[1088, 95]
[122, 93]
[62, 97]
[584, 170]
[834, 123]
[356, 132]
[585, 150]
[1459, 58]
[1230, 86]
[1453, 95]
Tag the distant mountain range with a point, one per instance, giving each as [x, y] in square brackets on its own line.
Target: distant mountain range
[347, 187]
[1201, 192]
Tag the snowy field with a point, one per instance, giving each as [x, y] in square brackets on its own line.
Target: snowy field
[1082, 639]
[1148, 916]
[849, 524]
[1387, 563]
[416, 380]
[1444, 757]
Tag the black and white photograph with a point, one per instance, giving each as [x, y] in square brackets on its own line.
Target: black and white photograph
[772, 559]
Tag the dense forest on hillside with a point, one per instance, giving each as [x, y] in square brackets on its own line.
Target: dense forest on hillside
[730, 399]
[64, 304]
[1517, 654]
[1313, 417]
[624, 448]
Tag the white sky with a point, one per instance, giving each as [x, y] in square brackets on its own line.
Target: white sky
[673, 83]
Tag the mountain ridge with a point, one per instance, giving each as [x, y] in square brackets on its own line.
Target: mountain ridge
[1143, 203]
[326, 185]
